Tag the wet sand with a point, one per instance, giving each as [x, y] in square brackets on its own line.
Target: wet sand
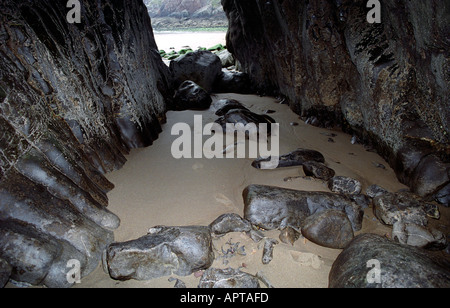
[155, 189]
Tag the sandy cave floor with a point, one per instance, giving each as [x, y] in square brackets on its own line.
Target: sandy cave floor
[155, 189]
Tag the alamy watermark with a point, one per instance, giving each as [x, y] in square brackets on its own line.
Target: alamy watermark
[74, 274]
[374, 274]
[224, 144]
[374, 15]
[74, 15]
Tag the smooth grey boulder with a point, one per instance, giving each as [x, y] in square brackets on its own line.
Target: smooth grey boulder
[224, 105]
[228, 278]
[164, 251]
[344, 185]
[295, 158]
[202, 67]
[392, 207]
[330, 228]
[372, 261]
[277, 208]
[229, 223]
[245, 117]
[191, 96]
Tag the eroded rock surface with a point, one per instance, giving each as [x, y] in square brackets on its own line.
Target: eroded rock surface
[74, 100]
[384, 82]
[372, 261]
[277, 208]
[163, 252]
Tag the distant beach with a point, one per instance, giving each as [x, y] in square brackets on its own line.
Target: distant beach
[166, 40]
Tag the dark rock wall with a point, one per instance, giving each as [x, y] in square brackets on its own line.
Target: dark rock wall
[387, 82]
[74, 99]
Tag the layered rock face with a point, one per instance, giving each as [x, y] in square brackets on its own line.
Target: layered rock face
[386, 82]
[74, 99]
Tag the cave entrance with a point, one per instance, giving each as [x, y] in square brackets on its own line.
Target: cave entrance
[183, 26]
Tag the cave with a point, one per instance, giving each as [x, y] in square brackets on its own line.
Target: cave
[319, 158]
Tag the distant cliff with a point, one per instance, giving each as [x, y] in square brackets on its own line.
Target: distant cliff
[175, 14]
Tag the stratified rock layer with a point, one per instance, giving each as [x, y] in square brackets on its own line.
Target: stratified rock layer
[74, 99]
[387, 82]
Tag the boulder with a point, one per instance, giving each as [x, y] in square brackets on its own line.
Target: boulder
[330, 228]
[372, 261]
[229, 223]
[392, 207]
[164, 251]
[201, 67]
[272, 208]
[344, 185]
[418, 236]
[245, 117]
[224, 105]
[295, 158]
[228, 278]
[190, 96]
[233, 82]
[226, 58]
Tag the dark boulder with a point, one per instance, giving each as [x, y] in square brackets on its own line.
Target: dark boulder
[191, 96]
[223, 106]
[163, 252]
[202, 67]
[330, 228]
[295, 158]
[233, 82]
[245, 117]
[372, 261]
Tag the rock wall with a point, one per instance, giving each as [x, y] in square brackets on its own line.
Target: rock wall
[387, 82]
[74, 99]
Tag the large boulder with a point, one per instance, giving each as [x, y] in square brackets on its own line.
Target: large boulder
[277, 208]
[202, 67]
[372, 261]
[162, 252]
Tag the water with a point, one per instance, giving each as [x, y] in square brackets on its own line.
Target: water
[177, 40]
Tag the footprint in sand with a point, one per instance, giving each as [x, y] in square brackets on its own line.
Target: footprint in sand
[225, 201]
[307, 259]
